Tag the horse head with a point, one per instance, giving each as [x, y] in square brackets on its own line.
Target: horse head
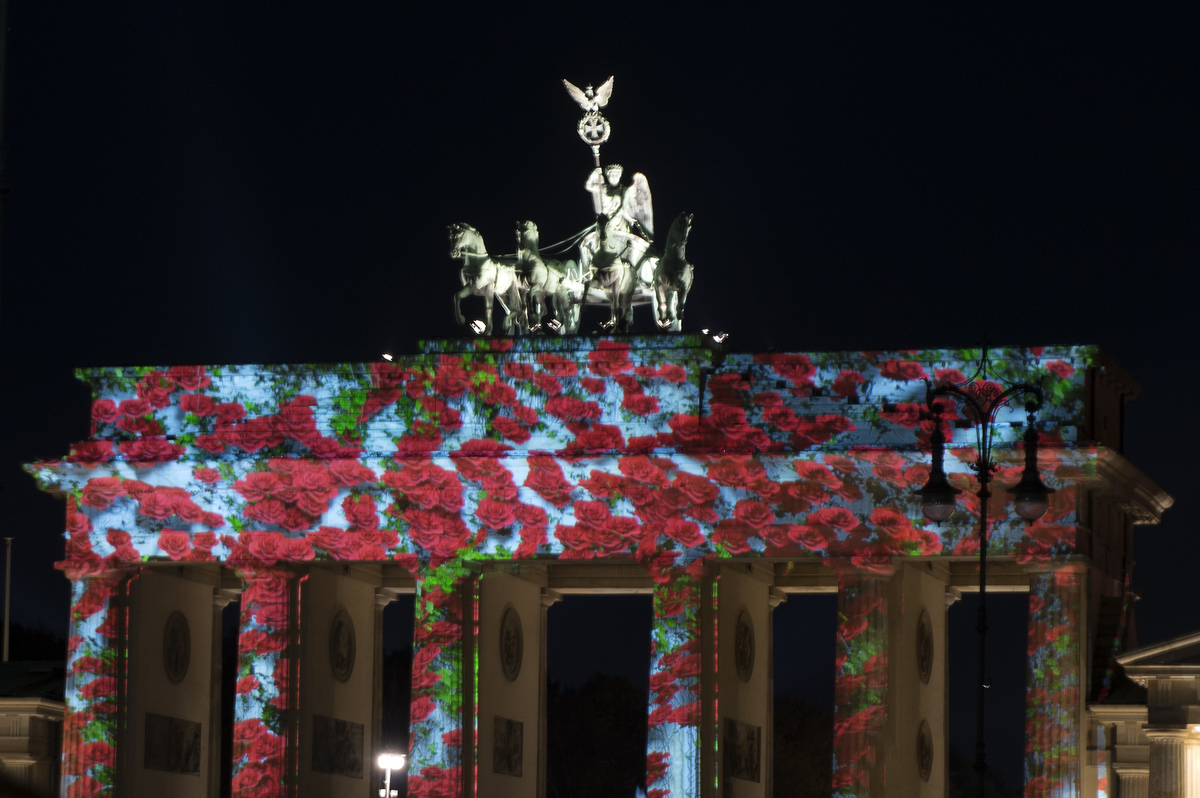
[527, 236]
[681, 228]
[464, 240]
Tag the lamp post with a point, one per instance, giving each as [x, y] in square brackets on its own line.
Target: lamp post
[982, 401]
[390, 762]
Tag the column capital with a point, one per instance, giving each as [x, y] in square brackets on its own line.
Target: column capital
[1158, 734]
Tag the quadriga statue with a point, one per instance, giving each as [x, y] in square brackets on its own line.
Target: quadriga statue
[489, 277]
[673, 276]
[548, 279]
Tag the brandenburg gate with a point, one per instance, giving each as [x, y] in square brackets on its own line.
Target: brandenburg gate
[488, 478]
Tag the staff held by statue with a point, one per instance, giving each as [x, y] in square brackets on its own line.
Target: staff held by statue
[594, 129]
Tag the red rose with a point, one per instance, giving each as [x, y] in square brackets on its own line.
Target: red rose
[360, 511]
[672, 372]
[1060, 369]
[190, 378]
[197, 404]
[643, 469]
[150, 449]
[846, 384]
[640, 404]
[90, 453]
[495, 514]
[813, 538]
[794, 367]
[568, 408]
[518, 371]
[547, 383]
[598, 438]
[550, 485]
[510, 428]
[134, 408]
[229, 412]
[158, 505]
[156, 389]
[210, 443]
[754, 514]
[267, 511]
[102, 491]
[174, 543]
[592, 385]
[100, 687]
[734, 535]
[902, 370]
[609, 358]
[558, 365]
[836, 517]
[421, 708]
[104, 411]
[209, 476]
[686, 533]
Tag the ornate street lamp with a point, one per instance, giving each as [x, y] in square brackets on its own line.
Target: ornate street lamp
[982, 401]
[390, 762]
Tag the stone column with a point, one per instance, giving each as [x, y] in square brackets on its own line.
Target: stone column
[383, 597]
[549, 599]
[1168, 763]
[861, 687]
[264, 732]
[737, 663]
[916, 740]
[95, 656]
[1053, 692]
[173, 661]
[442, 713]
[338, 665]
[220, 601]
[673, 742]
[1191, 753]
[511, 678]
[1133, 781]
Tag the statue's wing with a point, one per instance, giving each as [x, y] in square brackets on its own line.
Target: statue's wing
[639, 204]
[577, 95]
[604, 92]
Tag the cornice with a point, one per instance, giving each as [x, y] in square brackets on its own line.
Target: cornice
[1134, 492]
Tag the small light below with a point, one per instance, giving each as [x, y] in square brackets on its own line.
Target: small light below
[554, 325]
[478, 326]
[392, 761]
[387, 357]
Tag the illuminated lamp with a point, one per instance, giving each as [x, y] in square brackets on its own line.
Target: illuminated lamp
[938, 496]
[1031, 498]
[478, 327]
[387, 357]
[390, 762]
[981, 401]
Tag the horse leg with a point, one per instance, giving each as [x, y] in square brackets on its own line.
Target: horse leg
[459, 296]
[489, 296]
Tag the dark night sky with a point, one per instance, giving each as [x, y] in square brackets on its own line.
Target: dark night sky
[262, 182]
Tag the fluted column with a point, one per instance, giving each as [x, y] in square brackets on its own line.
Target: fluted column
[1133, 781]
[441, 713]
[95, 655]
[1191, 752]
[672, 745]
[1053, 708]
[861, 687]
[264, 732]
[1168, 763]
